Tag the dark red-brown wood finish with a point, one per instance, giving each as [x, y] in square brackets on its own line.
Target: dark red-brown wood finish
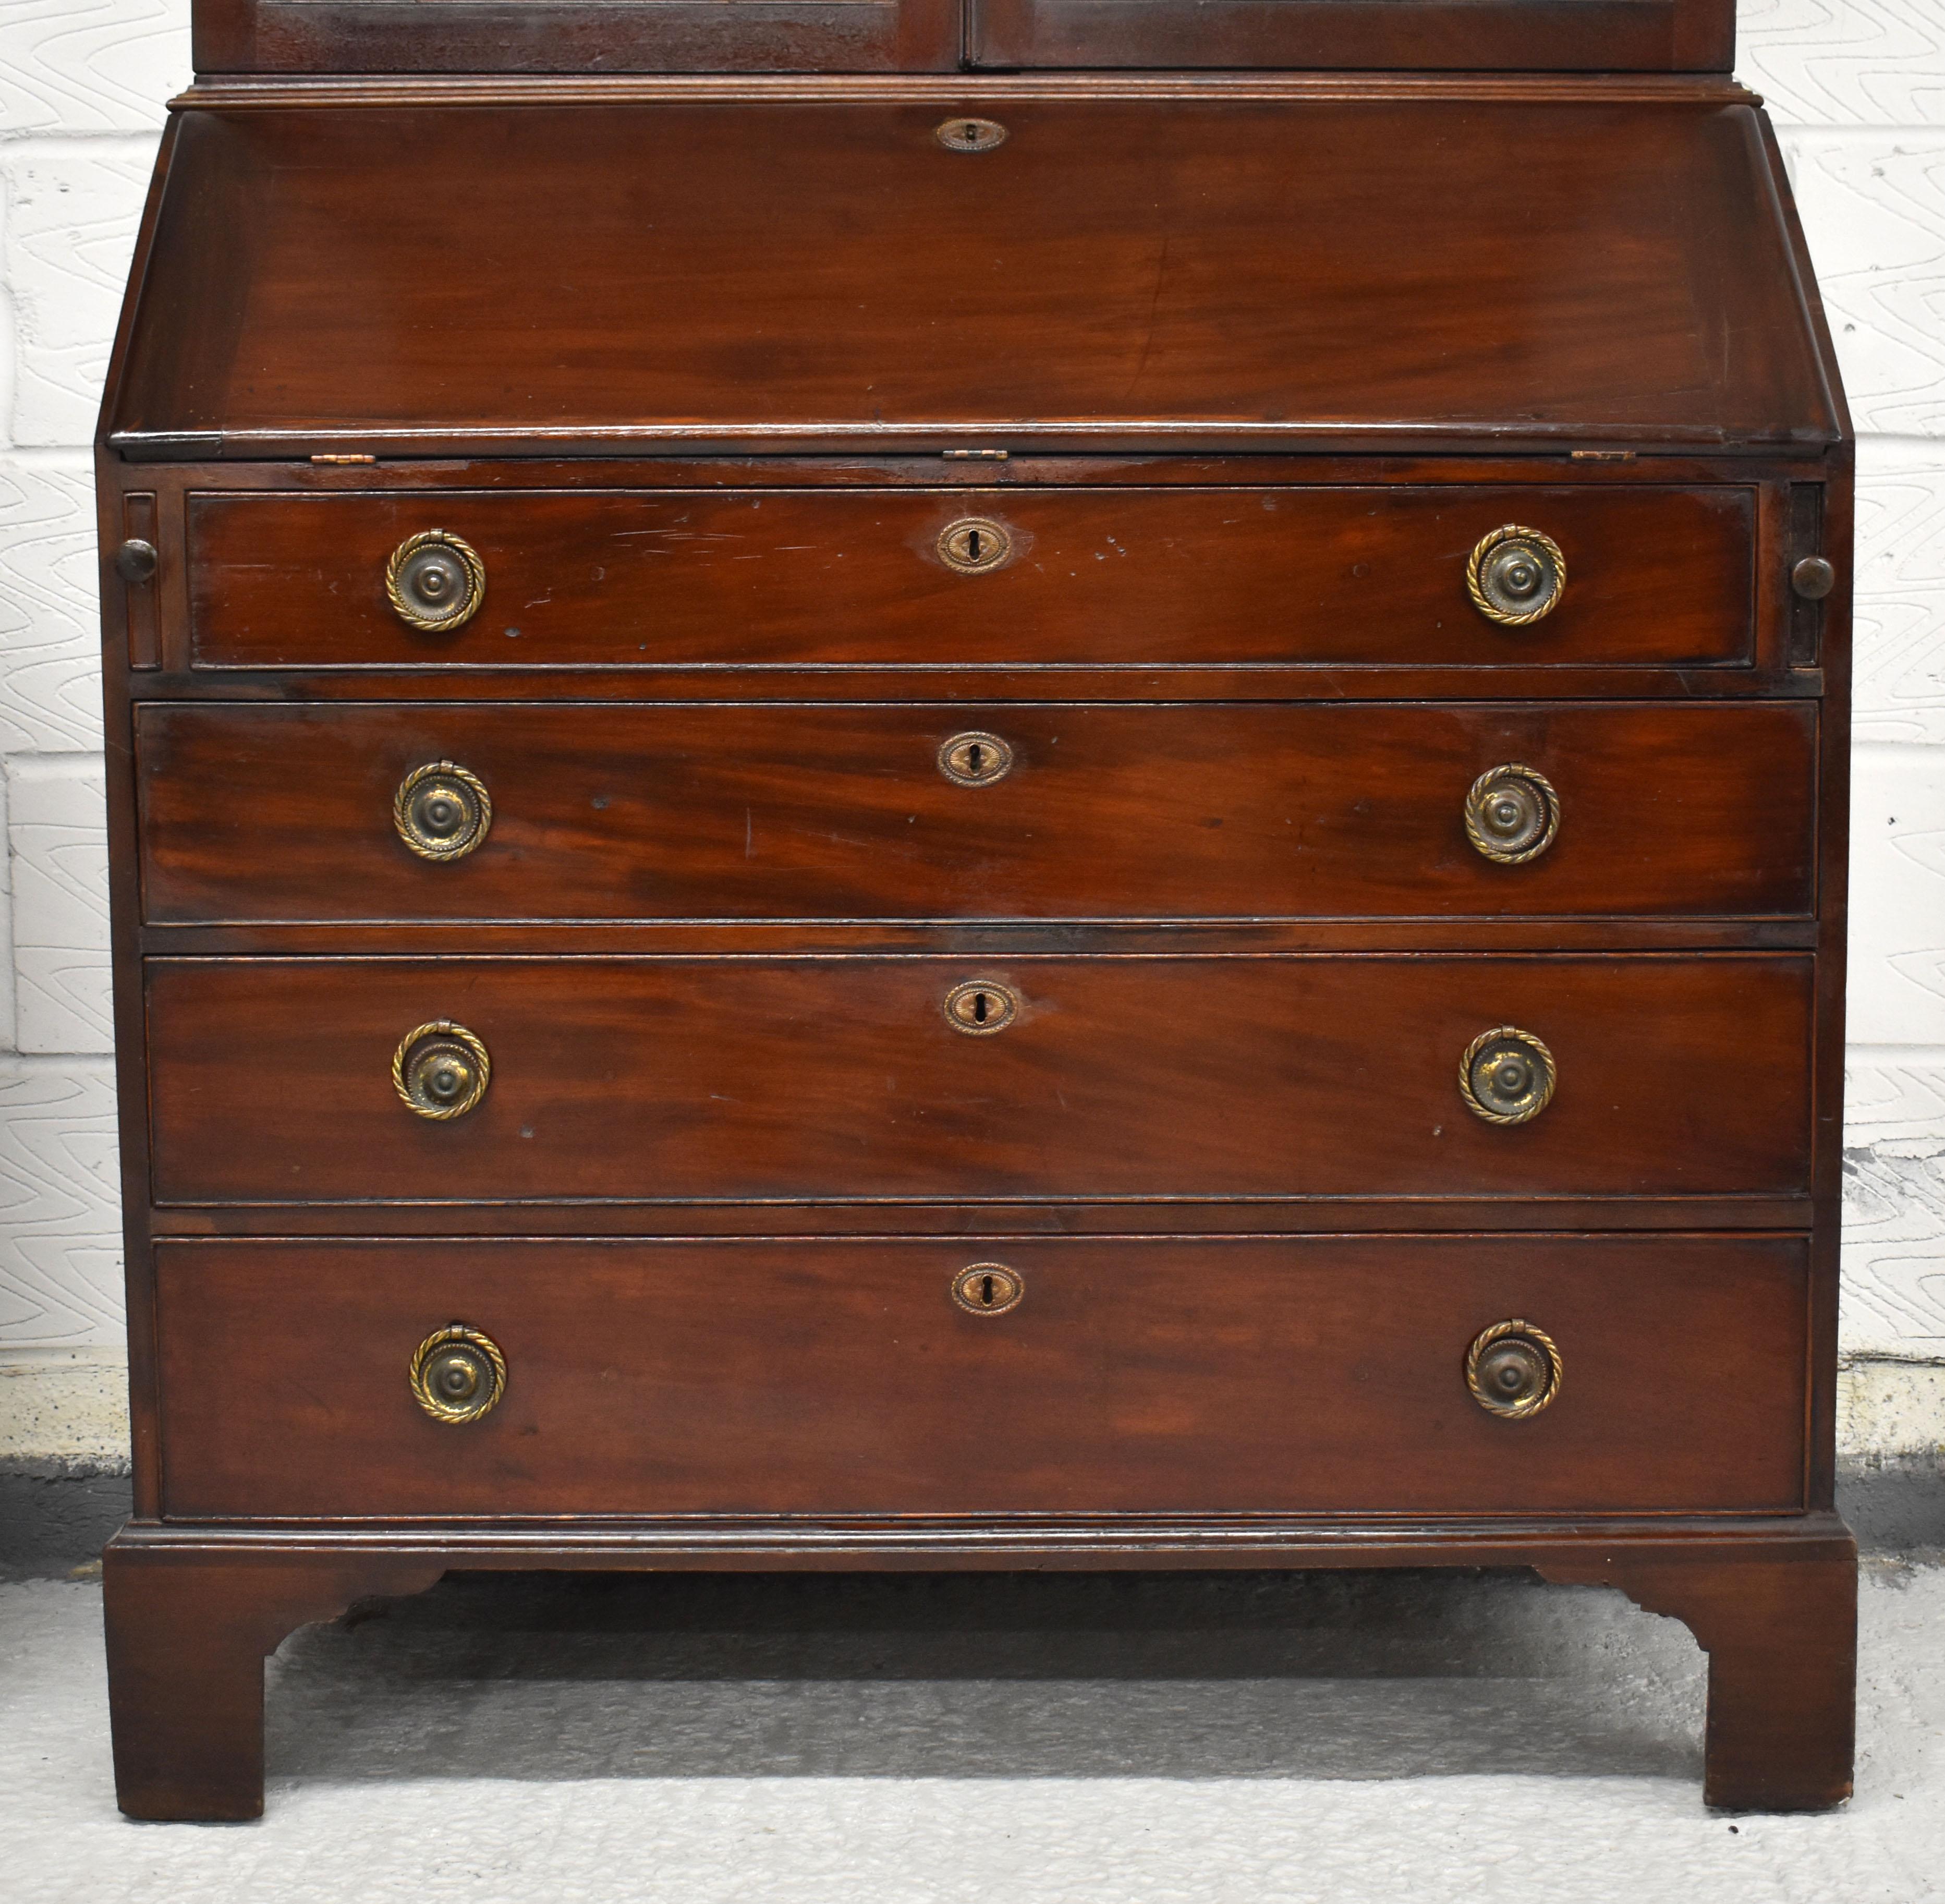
[1240, 368]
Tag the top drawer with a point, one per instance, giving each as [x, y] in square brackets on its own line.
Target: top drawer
[1093, 579]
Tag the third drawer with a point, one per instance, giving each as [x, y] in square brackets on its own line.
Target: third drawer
[837, 1077]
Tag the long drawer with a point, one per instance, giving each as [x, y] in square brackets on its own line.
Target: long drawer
[1111, 578]
[295, 814]
[1279, 1375]
[929, 1077]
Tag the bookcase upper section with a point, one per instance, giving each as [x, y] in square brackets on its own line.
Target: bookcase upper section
[622, 36]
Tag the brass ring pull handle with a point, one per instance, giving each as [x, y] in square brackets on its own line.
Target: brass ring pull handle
[1513, 1370]
[441, 812]
[976, 545]
[988, 1289]
[1507, 1075]
[976, 759]
[981, 1007]
[435, 582]
[441, 1070]
[1512, 814]
[1515, 576]
[457, 1375]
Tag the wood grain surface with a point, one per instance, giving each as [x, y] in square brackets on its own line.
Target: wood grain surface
[1272, 1375]
[1446, 273]
[1114, 578]
[379, 36]
[832, 813]
[1137, 1077]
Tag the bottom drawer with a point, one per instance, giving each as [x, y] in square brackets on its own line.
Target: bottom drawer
[1284, 1375]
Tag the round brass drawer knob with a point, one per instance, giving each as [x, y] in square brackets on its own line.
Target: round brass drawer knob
[457, 1375]
[974, 546]
[1513, 1370]
[1507, 1075]
[1512, 814]
[137, 561]
[976, 759]
[435, 582]
[1813, 579]
[441, 812]
[988, 1289]
[1516, 575]
[981, 1007]
[441, 1070]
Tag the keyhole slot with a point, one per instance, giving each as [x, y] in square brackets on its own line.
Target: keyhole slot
[988, 1289]
[969, 135]
[979, 1008]
[976, 759]
[976, 545]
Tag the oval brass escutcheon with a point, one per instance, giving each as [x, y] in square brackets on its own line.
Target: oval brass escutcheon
[1516, 575]
[441, 1070]
[440, 811]
[435, 581]
[458, 1375]
[988, 1289]
[970, 134]
[981, 1007]
[1512, 814]
[1507, 1075]
[974, 546]
[976, 759]
[1513, 1370]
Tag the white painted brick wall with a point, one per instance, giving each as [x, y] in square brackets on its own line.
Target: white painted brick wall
[82, 84]
[1857, 87]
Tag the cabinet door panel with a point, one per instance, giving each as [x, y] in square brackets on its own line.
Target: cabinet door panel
[1460, 36]
[576, 36]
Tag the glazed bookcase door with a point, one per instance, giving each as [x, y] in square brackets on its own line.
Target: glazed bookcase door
[1375, 35]
[577, 36]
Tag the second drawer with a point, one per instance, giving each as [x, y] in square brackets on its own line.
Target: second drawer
[291, 814]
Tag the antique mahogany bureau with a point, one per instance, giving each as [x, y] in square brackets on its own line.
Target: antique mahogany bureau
[1000, 783]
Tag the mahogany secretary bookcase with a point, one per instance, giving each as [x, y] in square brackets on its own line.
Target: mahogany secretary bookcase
[1035, 783]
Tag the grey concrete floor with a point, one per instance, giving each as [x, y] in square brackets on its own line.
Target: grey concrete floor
[1415, 1738]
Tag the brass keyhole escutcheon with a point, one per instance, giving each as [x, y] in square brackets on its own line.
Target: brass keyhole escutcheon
[988, 1289]
[1513, 1370]
[1512, 814]
[440, 811]
[441, 1070]
[970, 135]
[458, 1375]
[434, 581]
[1516, 575]
[981, 1007]
[974, 546]
[976, 759]
[1507, 1075]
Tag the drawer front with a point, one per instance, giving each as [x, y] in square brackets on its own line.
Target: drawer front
[1102, 578]
[1279, 1375]
[837, 1077]
[766, 812]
